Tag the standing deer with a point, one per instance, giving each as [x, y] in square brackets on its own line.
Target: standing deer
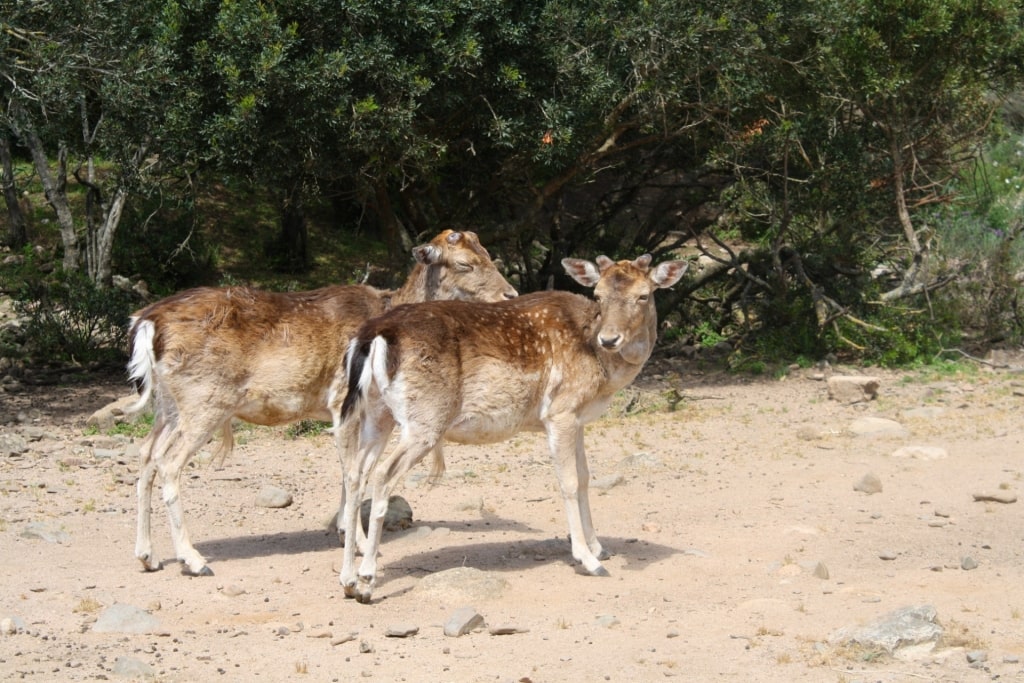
[208, 355]
[480, 373]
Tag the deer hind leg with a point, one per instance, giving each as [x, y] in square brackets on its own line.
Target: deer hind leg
[371, 434]
[178, 438]
[156, 438]
[569, 458]
[414, 444]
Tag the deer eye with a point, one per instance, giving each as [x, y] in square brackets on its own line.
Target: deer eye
[643, 298]
[463, 267]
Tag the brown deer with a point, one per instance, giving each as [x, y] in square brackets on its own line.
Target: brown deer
[208, 355]
[480, 373]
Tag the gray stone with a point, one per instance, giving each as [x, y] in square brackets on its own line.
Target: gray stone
[45, 532]
[977, 656]
[904, 627]
[129, 667]
[877, 426]
[868, 484]
[273, 497]
[1005, 497]
[462, 621]
[11, 625]
[967, 563]
[462, 585]
[853, 388]
[821, 571]
[121, 618]
[112, 414]
[608, 482]
[921, 452]
[887, 555]
[398, 516]
[401, 630]
[12, 444]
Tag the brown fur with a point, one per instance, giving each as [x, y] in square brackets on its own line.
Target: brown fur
[267, 358]
[476, 373]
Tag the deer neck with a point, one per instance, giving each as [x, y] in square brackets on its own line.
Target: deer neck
[421, 285]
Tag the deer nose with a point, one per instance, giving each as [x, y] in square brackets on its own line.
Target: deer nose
[610, 343]
[511, 294]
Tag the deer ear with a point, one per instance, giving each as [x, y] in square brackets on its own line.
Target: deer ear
[583, 272]
[427, 254]
[604, 263]
[668, 273]
[642, 262]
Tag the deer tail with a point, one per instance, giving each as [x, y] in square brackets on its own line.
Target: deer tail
[141, 360]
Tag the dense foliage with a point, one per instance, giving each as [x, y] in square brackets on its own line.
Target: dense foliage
[821, 161]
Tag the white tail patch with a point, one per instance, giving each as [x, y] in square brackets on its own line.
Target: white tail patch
[142, 364]
[377, 362]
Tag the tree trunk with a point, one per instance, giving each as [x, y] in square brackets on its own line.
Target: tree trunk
[294, 232]
[395, 238]
[918, 251]
[55, 189]
[17, 221]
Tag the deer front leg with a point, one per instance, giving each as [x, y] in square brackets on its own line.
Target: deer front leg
[565, 436]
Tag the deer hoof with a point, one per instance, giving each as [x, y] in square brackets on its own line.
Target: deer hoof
[202, 571]
[600, 571]
[148, 565]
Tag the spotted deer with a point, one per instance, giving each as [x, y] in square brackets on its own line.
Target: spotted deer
[209, 355]
[480, 373]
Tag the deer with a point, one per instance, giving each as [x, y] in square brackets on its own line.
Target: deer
[208, 355]
[480, 373]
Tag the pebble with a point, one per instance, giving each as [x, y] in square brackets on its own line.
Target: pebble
[462, 621]
[1005, 497]
[868, 484]
[401, 630]
[347, 638]
[273, 497]
[821, 571]
[968, 563]
[977, 656]
[507, 630]
[887, 555]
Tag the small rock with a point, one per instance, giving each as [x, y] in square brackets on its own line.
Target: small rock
[887, 555]
[906, 627]
[45, 532]
[129, 667]
[921, 452]
[607, 621]
[344, 639]
[968, 563]
[401, 630]
[852, 388]
[233, 591]
[608, 482]
[398, 516]
[877, 427]
[821, 571]
[273, 497]
[121, 618]
[365, 647]
[507, 630]
[868, 484]
[462, 621]
[12, 444]
[1006, 497]
[977, 656]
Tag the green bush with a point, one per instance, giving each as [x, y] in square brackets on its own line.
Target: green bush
[68, 318]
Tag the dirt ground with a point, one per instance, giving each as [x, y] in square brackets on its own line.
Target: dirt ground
[740, 545]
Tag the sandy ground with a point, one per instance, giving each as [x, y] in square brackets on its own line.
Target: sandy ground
[723, 516]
